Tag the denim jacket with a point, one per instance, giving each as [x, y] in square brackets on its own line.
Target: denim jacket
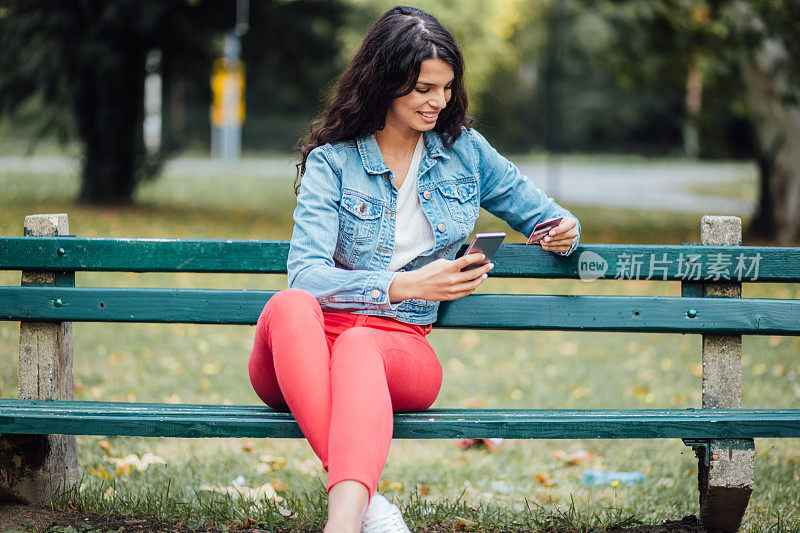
[344, 222]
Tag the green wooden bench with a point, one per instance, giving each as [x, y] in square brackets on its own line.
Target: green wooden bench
[37, 454]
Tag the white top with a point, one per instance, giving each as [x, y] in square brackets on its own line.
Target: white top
[413, 234]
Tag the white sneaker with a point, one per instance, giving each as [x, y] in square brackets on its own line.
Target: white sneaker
[383, 516]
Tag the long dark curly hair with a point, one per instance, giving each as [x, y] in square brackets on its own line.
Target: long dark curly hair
[385, 67]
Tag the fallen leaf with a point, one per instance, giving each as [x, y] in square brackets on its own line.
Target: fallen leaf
[100, 472]
[134, 461]
[172, 398]
[105, 445]
[396, 485]
[463, 523]
[576, 457]
[490, 444]
[580, 391]
[309, 467]
[544, 479]
[678, 399]
[252, 493]
[424, 490]
[455, 366]
[279, 485]
[211, 368]
[638, 391]
[274, 462]
[249, 446]
[469, 340]
[474, 402]
[286, 513]
[568, 348]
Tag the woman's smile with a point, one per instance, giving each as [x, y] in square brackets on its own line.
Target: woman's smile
[429, 117]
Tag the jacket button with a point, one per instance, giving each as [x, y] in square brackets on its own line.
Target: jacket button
[376, 294]
[440, 227]
[363, 207]
[427, 195]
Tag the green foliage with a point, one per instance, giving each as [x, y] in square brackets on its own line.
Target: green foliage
[573, 92]
[566, 76]
[84, 63]
[291, 56]
[741, 63]
[78, 70]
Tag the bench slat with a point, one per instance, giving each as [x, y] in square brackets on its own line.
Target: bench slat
[513, 260]
[492, 311]
[167, 420]
[143, 255]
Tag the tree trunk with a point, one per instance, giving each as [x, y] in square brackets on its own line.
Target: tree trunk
[109, 113]
[777, 126]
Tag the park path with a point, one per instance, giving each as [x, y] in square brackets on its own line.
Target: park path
[668, 186]
[678, 185]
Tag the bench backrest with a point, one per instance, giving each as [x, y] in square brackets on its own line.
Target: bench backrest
[691, 264]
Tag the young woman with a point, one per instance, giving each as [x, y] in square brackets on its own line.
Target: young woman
[391, 179]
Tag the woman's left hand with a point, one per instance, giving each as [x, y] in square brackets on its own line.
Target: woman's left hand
[560, 238]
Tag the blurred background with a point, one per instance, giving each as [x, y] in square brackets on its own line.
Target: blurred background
[122, 87]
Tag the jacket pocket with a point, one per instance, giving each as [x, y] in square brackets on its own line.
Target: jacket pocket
[359, 216]
[461, 197]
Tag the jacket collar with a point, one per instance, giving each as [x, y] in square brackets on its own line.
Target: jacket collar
[372, 158]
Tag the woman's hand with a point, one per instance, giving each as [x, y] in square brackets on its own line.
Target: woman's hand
[440, 280]
[560, 238]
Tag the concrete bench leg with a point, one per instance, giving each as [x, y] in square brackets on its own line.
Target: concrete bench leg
[727, 482]
[34, 468]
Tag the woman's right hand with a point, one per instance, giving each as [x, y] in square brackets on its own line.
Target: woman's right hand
[440, 280]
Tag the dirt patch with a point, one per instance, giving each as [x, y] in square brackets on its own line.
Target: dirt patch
[29, 518]
[689, 524]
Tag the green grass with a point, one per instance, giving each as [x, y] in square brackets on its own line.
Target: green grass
[745, 188]
[521, 487]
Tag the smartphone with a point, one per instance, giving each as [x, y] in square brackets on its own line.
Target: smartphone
[543, 229]
[485, 243]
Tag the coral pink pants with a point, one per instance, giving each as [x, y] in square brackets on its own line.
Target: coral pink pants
[342, 375]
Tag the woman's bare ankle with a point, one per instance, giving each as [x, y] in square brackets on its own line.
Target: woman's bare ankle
[341, 525]
[347, 501]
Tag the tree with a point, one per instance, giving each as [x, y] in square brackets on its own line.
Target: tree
[754, 45]
[770, 57]
[88, 58]
[83, 63]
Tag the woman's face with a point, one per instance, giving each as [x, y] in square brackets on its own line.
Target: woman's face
[418, 110]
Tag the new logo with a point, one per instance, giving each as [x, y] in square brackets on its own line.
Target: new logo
[591, 266]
